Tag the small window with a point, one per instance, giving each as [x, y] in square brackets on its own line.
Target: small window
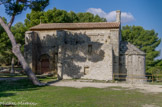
[89, 49]
[86, 70]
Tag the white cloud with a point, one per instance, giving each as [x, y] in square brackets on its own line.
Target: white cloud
[111, 16]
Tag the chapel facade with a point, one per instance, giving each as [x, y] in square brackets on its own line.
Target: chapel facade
[84, 50]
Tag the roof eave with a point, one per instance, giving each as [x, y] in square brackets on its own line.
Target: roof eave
[36, 29]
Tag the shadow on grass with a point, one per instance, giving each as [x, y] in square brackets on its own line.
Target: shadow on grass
[19, 85]
[9, 85]
[9, 75]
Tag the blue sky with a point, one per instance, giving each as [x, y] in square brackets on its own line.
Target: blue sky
[146, 13]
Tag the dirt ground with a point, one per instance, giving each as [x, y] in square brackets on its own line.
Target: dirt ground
[81, 84]
[145, 88]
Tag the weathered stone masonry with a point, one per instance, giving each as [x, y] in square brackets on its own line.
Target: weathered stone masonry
[82, 50]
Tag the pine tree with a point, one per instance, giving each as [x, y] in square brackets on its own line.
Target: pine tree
[13, 8]
[146, 40]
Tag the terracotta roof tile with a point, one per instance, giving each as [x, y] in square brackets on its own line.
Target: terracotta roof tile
[129, 49]
[96, 25]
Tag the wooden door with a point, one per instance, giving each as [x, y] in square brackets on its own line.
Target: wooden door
[45, 66]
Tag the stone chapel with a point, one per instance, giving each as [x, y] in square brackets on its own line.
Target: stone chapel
[84, 50]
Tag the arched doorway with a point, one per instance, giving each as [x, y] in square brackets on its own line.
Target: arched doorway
[45, 64]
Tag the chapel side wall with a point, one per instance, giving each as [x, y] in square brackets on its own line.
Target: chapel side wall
[76, 62]
[28, 47]
[38, 43]
[115, 42]
[102, 70]
[133, 68]
[123, 67]
[50, 42]
[31, 49]
[104, 38]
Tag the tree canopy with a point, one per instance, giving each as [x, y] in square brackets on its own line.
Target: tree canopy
[15, 7]
[6, 54]
[60, 16]
[146, 40]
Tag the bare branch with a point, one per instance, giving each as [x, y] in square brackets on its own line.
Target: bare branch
[11, 21]
[13, 17]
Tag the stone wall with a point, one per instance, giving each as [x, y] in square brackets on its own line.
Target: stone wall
[132, 63]
[86, 54]
[28, 47]
[115, 40]
[75, 61]
[89, 53]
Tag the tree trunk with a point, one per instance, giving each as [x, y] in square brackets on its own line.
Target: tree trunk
[18, 54]
[12, 66]
[11, 21]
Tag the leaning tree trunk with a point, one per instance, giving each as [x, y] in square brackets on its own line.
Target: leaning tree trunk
[18, 54]
[12, 62]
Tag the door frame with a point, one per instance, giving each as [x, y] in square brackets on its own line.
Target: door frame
[44, 56]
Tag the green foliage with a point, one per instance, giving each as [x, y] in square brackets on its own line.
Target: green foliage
[89, 17]
[5, 45]
[4, 51]
[157, 68]
[19, 30]
[15, 7]
[59, 16]
[146, 40]
[5, 48]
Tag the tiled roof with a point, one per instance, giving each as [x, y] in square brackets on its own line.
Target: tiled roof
[129, 49]
[96, 25]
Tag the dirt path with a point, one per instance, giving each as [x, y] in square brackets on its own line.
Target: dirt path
[77, 84]
[146, 88]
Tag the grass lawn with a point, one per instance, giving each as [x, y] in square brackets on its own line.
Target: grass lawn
[8, 75]
[50, 96]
